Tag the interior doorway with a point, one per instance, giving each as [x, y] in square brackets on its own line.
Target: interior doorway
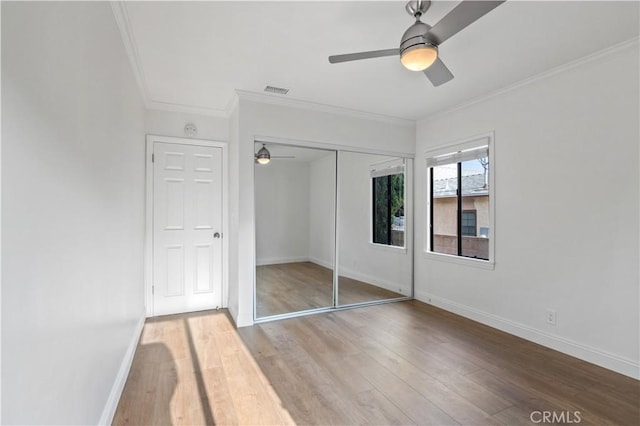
[185, 225]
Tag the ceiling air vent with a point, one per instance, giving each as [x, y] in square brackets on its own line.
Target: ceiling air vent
[278, 90]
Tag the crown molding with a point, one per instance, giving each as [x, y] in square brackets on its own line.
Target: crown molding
[232, 104]
[124, 25]
[541, 76]
[188, 109]
[122, 20]
[312, 106]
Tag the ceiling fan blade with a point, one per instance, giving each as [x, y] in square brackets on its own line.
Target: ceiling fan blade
[363, 55]
[438, 73]
[460, 17]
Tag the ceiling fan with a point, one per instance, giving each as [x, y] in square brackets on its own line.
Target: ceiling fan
[263, 156]
[419, 44]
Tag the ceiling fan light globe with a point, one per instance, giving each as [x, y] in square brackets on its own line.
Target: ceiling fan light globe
[419, 57]
[263, 160]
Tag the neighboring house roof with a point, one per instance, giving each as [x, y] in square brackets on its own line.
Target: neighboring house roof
[471, 185]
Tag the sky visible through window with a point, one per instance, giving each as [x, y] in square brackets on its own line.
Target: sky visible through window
[471, 167]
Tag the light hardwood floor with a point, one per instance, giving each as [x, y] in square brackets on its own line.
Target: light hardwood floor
[193, 369]
[300, 286]
[397, 363]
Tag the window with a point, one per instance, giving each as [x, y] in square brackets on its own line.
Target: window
[387, 183]
[459, 206]
[469, 223]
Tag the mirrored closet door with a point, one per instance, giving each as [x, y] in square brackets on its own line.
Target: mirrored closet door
[295, 194]
[375, 251]
[333, 229]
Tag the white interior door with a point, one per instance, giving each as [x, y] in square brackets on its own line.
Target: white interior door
[187, 228]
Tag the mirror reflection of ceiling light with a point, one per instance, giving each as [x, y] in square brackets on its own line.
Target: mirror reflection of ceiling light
[263, 156]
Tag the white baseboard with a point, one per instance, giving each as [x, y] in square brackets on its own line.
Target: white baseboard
[240, 320]
[234, 313]
[244, 321]
[357, 275]
[604, 359]
[321, 262]
[279, 260]
[118, 385]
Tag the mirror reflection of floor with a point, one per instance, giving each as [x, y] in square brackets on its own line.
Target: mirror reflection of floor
[293, 287]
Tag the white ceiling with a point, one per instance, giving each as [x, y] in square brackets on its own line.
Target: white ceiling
[194, 54]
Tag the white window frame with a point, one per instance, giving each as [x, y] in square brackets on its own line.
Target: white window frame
[451, 150]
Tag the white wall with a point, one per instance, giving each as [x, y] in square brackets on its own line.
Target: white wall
[282, 212]
[322, 204]
[263, 119]
[168, 123]
[567, 193]
[234, 213]
[386, 267]
[72, 211]
[0, 223]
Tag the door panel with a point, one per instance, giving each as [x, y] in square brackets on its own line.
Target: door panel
[175, 271]
[174, 203]
[187, 258]
[203, 268]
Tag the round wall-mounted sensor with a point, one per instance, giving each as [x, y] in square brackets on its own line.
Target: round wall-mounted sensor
[190, 130]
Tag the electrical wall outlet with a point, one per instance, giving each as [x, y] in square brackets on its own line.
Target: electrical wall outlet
[551, 317]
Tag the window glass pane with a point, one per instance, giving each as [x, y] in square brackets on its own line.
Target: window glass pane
[445, 209]
[475, 208]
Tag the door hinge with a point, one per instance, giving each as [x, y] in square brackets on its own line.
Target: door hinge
[153, 158]
[153, 289]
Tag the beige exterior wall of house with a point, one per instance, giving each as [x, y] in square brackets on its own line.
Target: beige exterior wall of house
[445, 226]
[445, 208]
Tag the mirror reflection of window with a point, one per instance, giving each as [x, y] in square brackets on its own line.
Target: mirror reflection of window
[374, 259]
[388, 208]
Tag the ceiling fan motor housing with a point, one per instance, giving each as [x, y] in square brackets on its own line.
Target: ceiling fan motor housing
[416, 8]
[416, 35]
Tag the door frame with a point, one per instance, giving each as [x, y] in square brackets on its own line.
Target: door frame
[148, 238]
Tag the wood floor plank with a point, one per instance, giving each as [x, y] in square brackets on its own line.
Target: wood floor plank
[294, 392]
[428, 386]
[253, 397]
[479, 396]
[431, 354]
[486, 401]
[528, 400]
[418, 408]
[310, 384]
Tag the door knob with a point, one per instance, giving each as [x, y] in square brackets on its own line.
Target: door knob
[216, 235]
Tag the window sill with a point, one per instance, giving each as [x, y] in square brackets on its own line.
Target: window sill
[459, 260]
[384, 247]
